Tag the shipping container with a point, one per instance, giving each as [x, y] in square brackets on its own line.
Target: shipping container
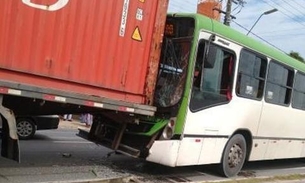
[103, 48]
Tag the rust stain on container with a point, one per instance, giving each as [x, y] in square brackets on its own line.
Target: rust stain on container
[155, 50]
[76, 46]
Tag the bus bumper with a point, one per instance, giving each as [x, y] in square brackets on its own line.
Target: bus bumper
[164, 152]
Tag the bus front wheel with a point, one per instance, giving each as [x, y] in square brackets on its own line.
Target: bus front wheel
[234, 156]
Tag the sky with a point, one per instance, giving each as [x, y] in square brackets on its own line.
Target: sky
[284, 29]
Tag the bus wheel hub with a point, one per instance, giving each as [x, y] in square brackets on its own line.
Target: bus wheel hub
[235, 156]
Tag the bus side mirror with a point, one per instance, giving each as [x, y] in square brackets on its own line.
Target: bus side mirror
[210, 58]
[209, 54]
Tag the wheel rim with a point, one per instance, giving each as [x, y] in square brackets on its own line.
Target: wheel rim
[235, 156]
[24, 128]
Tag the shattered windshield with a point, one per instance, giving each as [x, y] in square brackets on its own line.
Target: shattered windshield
[173, 71]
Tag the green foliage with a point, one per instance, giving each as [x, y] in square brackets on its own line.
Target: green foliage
[297, 56]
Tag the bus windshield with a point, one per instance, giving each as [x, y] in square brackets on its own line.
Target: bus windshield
[172, 72]
[175, 54]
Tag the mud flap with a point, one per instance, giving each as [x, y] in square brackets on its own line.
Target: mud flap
[10, 143]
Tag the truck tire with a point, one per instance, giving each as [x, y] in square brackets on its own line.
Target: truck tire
[234, 156]
[25, 128]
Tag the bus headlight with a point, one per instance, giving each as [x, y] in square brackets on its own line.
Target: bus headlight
[168, 131]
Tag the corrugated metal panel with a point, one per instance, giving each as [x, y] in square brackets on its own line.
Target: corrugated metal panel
[155, 50]
[97, 47]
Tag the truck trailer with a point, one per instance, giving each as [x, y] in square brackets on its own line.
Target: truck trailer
[75, 56]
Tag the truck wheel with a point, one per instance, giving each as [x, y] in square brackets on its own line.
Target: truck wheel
[25, 128]
[234, 156]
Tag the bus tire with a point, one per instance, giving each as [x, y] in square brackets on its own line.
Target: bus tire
[234, 156]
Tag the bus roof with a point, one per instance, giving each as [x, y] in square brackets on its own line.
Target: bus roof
[203, 22]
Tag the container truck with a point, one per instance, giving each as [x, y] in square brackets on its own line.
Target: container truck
[76, 56]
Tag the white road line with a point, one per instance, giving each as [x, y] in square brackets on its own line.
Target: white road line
[72, 142]
[66, 138]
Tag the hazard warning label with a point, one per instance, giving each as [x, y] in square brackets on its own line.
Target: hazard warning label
[136, 35]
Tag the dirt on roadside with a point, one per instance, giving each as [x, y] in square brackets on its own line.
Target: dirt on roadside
[74, 124]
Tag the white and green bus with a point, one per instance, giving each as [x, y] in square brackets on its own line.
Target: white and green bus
[221, 97]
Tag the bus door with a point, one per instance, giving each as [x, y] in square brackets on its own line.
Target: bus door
[211, 90]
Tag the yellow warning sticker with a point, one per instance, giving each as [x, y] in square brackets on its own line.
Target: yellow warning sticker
[142, 1]
[137, 34]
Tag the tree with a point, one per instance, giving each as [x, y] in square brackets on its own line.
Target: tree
[297, 56]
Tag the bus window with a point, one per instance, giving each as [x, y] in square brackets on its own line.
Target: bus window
[298, 99]
[212, 86]
[251, 75]
[279, 84]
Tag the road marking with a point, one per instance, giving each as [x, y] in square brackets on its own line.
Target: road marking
[72, 142]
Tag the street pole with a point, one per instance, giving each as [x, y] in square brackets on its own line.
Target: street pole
[227, 19]
[265, 13]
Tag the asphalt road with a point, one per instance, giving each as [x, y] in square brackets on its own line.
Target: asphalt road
[61, 156]
[57, 155]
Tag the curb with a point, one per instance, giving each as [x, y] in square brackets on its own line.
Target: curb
[112, 180]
